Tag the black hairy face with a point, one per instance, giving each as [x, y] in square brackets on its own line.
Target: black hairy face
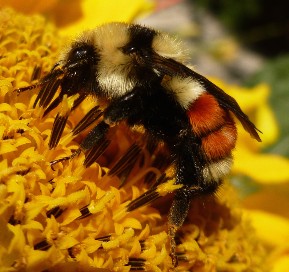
[82, 53]
[111, 60]
[79, 68]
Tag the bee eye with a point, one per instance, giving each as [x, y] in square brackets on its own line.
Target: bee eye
[129, 49]
[82, 51]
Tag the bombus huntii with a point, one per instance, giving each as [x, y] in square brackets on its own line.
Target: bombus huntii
[141, 75]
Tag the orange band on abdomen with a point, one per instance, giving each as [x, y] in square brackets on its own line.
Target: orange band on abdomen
[214, 125]
[219, 143]
[205, 114]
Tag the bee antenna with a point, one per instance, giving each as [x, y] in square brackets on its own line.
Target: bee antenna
[40, 82]
[74, 154]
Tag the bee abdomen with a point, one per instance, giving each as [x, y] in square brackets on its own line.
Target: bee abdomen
[217, 131]
[219, 144]
[214, 126]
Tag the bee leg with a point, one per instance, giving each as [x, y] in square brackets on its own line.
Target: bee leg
[127, 107]
[180, 208]
[119, 109]
[93, 138]
[177, 215]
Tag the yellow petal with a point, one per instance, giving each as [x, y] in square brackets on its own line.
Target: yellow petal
[271, 228]
[149, 252]
[29, 6]
[5, 239]
[97, 206]
[33, 209]
[22, 141]
[5, 87]
[124, 238]
[107, 11]
[66, 242]
[91, 245]
[6, 147]
[131, 223]
[5, 107]
[36, 259]
[18, 241]
[281, 265]
[32, 225]
[264, 168]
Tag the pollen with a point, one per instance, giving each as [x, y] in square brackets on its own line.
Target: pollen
[77, 216]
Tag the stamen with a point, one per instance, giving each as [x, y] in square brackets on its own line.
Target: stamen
[87, 120]
[84, 212]
[36, 73]
[142, 200]
[49, 78]
[53, 105]
[163, 186]
[142, 245]
[126, 161]
[23, 172]
[105, 238]
[137, 264]
[78, 101]
[95, 153]
[124, 175]
[57, 101]
[162, 179]
[43, 245]
[47, 92]
[57, 129]
[56, 212]
[20, 131]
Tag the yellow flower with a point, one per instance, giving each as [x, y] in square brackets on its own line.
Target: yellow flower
[108, 11]
[75, 16]
[77, 218]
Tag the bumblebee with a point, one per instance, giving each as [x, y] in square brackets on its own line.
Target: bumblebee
[141, 75]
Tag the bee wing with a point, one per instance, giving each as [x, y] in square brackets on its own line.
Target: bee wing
[167, 66]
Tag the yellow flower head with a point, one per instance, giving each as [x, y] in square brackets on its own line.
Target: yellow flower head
[79, 218]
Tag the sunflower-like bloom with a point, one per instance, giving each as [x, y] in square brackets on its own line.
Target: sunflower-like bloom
[77, 218]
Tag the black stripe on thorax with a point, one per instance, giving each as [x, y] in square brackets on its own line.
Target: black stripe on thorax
[140, 36]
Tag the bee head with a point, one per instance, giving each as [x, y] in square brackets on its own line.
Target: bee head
[123, 53]
[116, 57]
[78, 65]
